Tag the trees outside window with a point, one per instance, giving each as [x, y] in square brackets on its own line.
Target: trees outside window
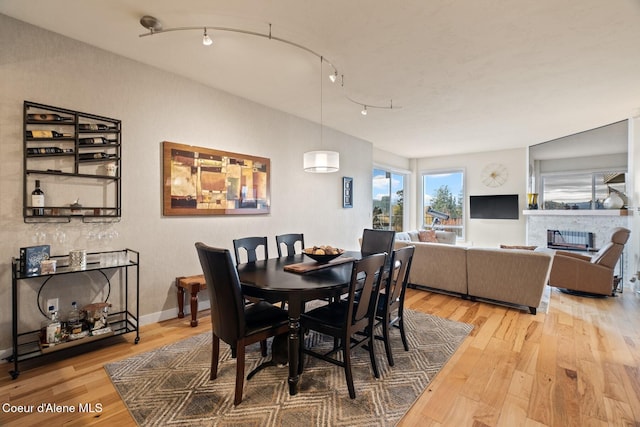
[388, 200]
[444, 192]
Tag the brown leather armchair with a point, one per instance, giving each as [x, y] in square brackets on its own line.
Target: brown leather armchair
[593, 274]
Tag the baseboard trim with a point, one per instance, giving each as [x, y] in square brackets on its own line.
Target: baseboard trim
[146, 319]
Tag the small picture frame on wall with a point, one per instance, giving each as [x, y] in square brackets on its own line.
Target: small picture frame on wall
[347, 192]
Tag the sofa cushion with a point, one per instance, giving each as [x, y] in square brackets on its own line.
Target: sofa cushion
[403, 236]
[428, 236]
[413, 235]
[448, 237]
[526, 247]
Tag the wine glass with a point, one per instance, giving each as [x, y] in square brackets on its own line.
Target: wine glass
[59, 236]
[39, 235]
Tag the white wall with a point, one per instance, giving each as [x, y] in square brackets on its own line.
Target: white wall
[155, 106]
[634, 192]
[486, 232]
[390, 160]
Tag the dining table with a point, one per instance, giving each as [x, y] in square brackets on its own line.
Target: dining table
[273, 280]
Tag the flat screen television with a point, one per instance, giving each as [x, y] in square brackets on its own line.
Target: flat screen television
[497, 206]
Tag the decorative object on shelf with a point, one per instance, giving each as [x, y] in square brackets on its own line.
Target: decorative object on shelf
[617, 199]
[155, 27]
[48, 266]
[111, 169]
[76, 207]
[614, 201]
[78, 259]
[97, 317]
[31, 257]
[203, 181]
[494, 175]
[347, 192]
[532, 200]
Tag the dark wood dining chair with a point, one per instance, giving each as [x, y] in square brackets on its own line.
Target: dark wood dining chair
[351, 326]
[390, 311]
[250, 245]
[289, 241]
[234, 322]
[377, 241]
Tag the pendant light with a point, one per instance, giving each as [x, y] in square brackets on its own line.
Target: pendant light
[321, 161]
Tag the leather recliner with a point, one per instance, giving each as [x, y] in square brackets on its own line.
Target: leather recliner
[590, 274]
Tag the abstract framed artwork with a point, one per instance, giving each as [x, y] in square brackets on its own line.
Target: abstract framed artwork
[203, 181]
[347, 192]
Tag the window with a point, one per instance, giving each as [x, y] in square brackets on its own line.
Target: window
[586, 190]
[388, 200]
[443, 193]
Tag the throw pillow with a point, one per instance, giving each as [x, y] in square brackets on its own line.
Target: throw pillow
[428, 236]
[529, 248]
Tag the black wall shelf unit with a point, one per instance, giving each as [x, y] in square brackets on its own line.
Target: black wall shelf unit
[65, 148]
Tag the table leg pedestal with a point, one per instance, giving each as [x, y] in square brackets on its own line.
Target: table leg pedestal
[294, 309]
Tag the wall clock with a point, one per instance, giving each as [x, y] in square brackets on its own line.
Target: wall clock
[494, 175]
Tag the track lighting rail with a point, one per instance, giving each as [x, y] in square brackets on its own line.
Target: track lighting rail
[154, 26]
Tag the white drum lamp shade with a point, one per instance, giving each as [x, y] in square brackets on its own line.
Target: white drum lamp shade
[321, 161]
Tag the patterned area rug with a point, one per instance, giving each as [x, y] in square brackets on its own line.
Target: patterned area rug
[170, 386]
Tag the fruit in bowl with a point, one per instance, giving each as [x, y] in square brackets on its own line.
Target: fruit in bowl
[323, 254]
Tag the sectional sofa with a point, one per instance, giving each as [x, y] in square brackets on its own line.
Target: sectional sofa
[512, 276]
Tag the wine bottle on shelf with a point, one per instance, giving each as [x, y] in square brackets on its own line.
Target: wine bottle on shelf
[48, 328]
[54, 329]
[94, 156]
[74, 324]
[96, 140]
[95, 126]
[48, 150]
[47, 134]
[48, 118]
[37, 200]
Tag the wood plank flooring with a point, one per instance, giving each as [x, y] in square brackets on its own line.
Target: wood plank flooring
[578, 365]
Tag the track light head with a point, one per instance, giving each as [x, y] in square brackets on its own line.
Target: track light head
[150, 23]
[206, 40]
[364, 110]
[333, 77]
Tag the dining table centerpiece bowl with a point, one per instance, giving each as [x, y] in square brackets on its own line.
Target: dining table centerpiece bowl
[323, 254]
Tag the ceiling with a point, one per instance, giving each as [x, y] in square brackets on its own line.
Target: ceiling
[463, 76]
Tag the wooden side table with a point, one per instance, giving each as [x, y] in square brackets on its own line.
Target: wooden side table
[193, 284]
